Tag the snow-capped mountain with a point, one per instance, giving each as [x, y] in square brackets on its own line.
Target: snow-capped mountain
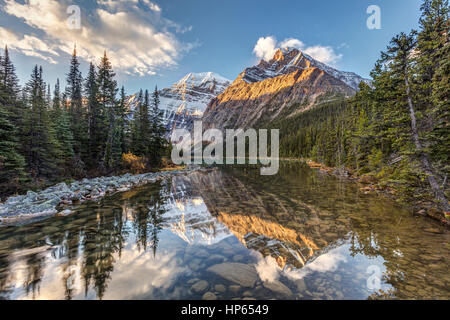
[187, 215]
[291, 82]
[187, 99]
[288, 60]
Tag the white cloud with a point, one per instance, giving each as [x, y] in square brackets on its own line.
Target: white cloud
[28, 45]
[267, 268]
[323, 54]
[292, 43]
[327, 262]
[137, 41]
[266, 47]
[152, 6]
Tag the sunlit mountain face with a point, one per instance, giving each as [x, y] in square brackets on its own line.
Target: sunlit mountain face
[228, 232]
[289, 83]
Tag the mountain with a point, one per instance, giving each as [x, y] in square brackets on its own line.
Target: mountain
[289, 83]
[187, 99]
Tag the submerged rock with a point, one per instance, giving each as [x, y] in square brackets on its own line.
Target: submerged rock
[200, 286]
[277, 287]
[209, 296]
[239, 273]
[220, 288]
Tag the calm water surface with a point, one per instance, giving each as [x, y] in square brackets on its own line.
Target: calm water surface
[230, 233]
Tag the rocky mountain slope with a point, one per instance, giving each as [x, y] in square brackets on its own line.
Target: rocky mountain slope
[269, 90]
[186, 100]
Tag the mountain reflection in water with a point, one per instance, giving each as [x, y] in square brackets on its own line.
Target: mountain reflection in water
[298, 235]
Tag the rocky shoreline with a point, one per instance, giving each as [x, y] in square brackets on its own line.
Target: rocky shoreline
[55, 200]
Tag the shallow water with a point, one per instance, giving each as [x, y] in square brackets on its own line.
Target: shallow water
[230, 233]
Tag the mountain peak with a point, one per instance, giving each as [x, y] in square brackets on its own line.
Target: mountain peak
[285, 53]
[201, 78]
[288, 60]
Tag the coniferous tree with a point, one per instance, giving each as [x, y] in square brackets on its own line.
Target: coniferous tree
[122, 122]
[398, 56]
[8, 79]
[157, 131]
[11, 99]
[136, 137]
[432, 81]
[107, 91]
[12, 164]
[96, 119]
[76, 110]
[63, 132]
[41, 144]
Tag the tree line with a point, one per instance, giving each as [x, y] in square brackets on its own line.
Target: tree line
[81, 131]
[395, 129]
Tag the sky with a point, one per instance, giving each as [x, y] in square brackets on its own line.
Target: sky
[157, 42]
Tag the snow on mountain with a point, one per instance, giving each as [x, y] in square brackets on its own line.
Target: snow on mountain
[269, 90]
[287, 60]
[187, 215]
[187, 99]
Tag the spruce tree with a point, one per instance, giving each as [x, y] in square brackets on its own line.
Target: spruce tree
[398, 57]
[96, 119]
[107, 91]
[432, 68]
[8, 79]
[63, 132]
[12, 174]
[11, 89]
[76, 110]
[157, 131]
[136, 146]
[40, 145]
[122, 122]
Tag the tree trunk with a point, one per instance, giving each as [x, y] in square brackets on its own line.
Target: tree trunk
[439, 194]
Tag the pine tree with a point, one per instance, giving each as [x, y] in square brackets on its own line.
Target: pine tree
[57, 97]
[107, 91]
[432, 82]
[136, 146]
[76, 110]
[8, 79]
[41, 144]
[398, 56]
[63, 132]
[12, 174]
[122, 122]
[10, 99]
[157, 131]
[96, 119]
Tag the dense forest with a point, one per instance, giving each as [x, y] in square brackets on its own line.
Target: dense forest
[397, 129]
[85, 130]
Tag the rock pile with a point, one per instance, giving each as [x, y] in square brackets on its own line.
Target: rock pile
[52, 200]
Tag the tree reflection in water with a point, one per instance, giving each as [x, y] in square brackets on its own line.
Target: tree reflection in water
[294, 218]
[93, 240]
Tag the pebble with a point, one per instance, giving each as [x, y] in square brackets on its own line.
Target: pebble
[200, 286]
[220, 288]
[209, 296]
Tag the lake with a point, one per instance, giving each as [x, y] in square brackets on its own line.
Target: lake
[229, 233]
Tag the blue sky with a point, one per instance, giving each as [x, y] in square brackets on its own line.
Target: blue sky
[157, 42]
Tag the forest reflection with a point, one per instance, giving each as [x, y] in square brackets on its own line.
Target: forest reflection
[293, 218]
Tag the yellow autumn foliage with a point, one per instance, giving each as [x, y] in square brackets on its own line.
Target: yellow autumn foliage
[134, 164]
